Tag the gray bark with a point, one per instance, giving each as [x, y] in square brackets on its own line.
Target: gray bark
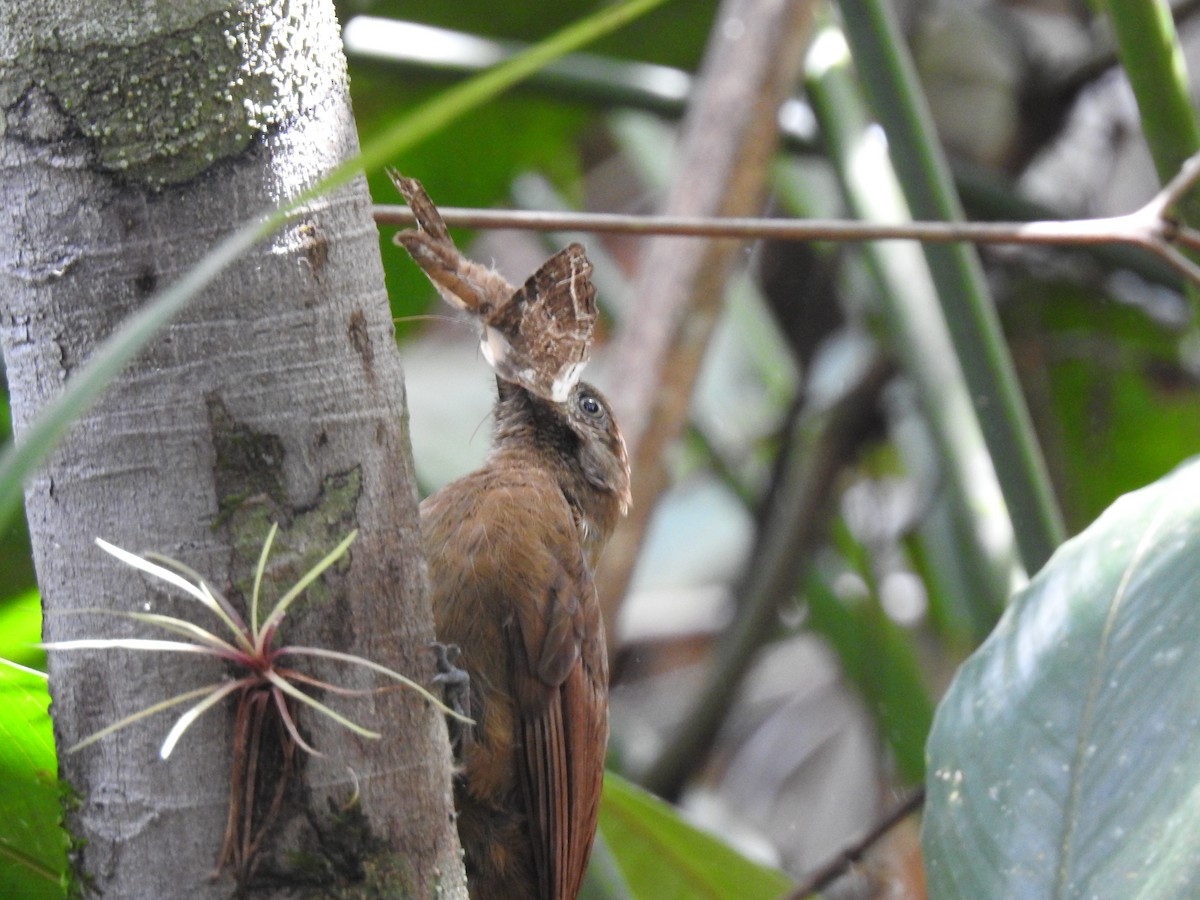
[131, 141]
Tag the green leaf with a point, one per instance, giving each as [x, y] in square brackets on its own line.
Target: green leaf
[889, 80]
[1064, 759]
[16, 559]
[33, 846]
[1148, 45]
[879, 657]
[21, 629]
[1115, 405]
[662, 857]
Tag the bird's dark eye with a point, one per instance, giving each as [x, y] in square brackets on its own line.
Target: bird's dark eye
[590, 405]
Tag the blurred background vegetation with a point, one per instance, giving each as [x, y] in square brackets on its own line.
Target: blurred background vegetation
[823, 727]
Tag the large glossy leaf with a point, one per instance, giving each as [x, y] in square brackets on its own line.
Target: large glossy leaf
[33, 846]
[1065, 758]
[662, 857]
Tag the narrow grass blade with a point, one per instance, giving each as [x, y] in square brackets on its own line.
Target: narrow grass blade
[272, 621]
[150, 564]
[889, 79]
[297, 676]
[187, 629]
[150, 568]
[286, 717]
[124, 644]
[429, 118]
[1149, 48]
[258, 574]
[20, 668]
[145, 713]
[391, 673]
[170, 623]
[184, 722]
[230, 617]
[213, 599]
[292, 691]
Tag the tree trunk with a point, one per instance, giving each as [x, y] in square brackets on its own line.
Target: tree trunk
[131, 143]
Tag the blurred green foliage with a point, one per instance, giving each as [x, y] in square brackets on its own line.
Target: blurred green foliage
[1115, 407]
[33, 846]
[663, 858]
[16, 556]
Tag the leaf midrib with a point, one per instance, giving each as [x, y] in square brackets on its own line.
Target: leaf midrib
[1071, 806]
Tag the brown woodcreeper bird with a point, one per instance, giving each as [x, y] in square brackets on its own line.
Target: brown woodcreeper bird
[512, 549]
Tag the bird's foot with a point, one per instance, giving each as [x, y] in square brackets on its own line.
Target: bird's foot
[456, 692]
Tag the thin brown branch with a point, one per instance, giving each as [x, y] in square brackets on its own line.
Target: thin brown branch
[1188, 237]
[1073, 231]
[1156, 236]
[1175, 189]
[1152, 228]
[1177, 261]
[850, 856]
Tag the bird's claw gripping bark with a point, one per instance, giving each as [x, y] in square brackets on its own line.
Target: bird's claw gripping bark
[456, 692]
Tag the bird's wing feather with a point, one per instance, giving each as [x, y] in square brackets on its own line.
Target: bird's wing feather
[556, 648]
[563, 718]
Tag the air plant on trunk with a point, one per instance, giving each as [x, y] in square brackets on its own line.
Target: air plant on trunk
[265, 684]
